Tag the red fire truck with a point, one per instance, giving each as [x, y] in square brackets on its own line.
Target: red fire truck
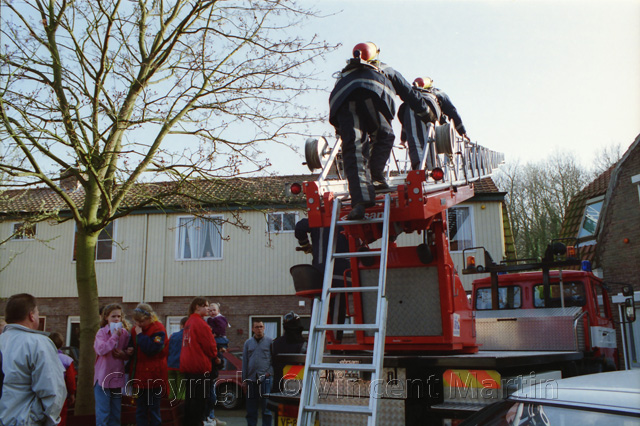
[418, 352]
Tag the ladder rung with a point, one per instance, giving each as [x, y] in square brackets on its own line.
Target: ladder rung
[352, 289]
[356, 409]
[347, 327]
[358, 254]
[343, 367]
[360, 222]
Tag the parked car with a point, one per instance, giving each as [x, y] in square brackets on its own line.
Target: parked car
[610, 399]
[229, 385]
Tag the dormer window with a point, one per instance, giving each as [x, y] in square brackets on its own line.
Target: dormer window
[590, 217]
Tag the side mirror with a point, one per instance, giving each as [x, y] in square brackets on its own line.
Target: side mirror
[629, 303]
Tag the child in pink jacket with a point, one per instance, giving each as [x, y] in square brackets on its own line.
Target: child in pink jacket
[109, 379]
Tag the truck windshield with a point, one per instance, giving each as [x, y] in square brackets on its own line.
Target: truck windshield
[573, 295]
[509, 298]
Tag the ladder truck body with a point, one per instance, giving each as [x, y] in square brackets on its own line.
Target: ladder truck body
[411, 353]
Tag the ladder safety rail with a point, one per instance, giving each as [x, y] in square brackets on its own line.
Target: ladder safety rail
[469, 162]
[310, 404]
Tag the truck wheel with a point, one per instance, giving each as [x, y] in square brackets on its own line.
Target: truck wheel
[229, 396]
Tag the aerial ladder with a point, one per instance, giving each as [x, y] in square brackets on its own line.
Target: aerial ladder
[388, 285]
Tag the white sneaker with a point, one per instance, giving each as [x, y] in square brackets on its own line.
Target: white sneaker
[209, 422]
[220, 422]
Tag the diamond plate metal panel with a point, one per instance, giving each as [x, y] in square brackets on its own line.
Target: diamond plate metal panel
[572, 311]
[529, 329]
[413, 296]
[390, 413]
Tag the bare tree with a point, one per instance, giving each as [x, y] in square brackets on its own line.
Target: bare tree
[606, 157]
[537, 197]
[115, 92]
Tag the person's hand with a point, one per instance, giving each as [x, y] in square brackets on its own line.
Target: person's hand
[72, 400]
[129, 351]
[117, 353]
[218, 360]
[307, 248]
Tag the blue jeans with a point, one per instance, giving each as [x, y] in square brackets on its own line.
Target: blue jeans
[213, 399]
[256, 392]
[108, 405]
[148, 407]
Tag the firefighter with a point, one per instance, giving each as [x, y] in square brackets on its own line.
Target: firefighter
[361, 108]
[414, 130]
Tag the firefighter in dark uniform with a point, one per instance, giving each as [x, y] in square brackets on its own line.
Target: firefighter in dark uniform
[361, 108]
[414, 130]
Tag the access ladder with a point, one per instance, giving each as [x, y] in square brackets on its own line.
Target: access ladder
[310, 403]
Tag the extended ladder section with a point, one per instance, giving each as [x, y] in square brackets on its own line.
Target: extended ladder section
[311, 398]
[461, 162]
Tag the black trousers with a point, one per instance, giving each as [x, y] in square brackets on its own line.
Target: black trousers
[367, 141]
[416, 132]
[197, 393]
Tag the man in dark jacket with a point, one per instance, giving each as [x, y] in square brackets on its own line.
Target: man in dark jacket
[361, 108]
[414, 130]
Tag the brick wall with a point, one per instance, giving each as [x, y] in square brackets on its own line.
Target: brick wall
[618, 248]
[237, 310]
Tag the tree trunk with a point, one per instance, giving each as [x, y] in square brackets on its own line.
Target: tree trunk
[89, 317]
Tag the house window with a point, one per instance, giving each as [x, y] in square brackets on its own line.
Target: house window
[104, 247]
[24, 231]
[272, 325]
[590, 218]
[173, 324]
[199, 238]
[282, 221]
[73, 331]
[460, 228]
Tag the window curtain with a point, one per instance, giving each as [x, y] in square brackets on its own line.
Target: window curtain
[463, 232]
[200, 238]
[271, 329]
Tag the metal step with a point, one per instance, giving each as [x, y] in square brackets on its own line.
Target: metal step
[352, 289]
[356, 409]
[360, 222]
[358, 254]
[343, 367]
[347, 327]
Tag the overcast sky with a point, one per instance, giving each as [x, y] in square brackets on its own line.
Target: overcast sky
[527, 77]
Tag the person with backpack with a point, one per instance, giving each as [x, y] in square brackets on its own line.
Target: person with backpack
[414, 130]
[361, 108]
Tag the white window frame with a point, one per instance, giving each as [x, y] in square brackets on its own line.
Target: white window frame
[22, 237]
[178, 253]
[282, 213]
[271, 319]
[471, 224]
[95, 257]
[590, 202]
[173, 324]
[75, 319]
[636, 180]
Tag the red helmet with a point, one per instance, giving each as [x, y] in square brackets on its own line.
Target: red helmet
[423, 82]
[366, 51]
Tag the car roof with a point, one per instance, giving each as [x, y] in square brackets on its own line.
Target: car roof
[616, 390]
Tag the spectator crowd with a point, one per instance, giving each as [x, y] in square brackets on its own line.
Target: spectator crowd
[38, 381]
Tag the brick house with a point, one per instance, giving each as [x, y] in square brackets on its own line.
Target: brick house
[605, 217]
[166, 255]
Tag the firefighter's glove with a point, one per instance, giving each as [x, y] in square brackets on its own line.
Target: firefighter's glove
[306, 248]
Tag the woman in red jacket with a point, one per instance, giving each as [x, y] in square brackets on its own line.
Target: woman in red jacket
[198, 349]
[149, 373]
